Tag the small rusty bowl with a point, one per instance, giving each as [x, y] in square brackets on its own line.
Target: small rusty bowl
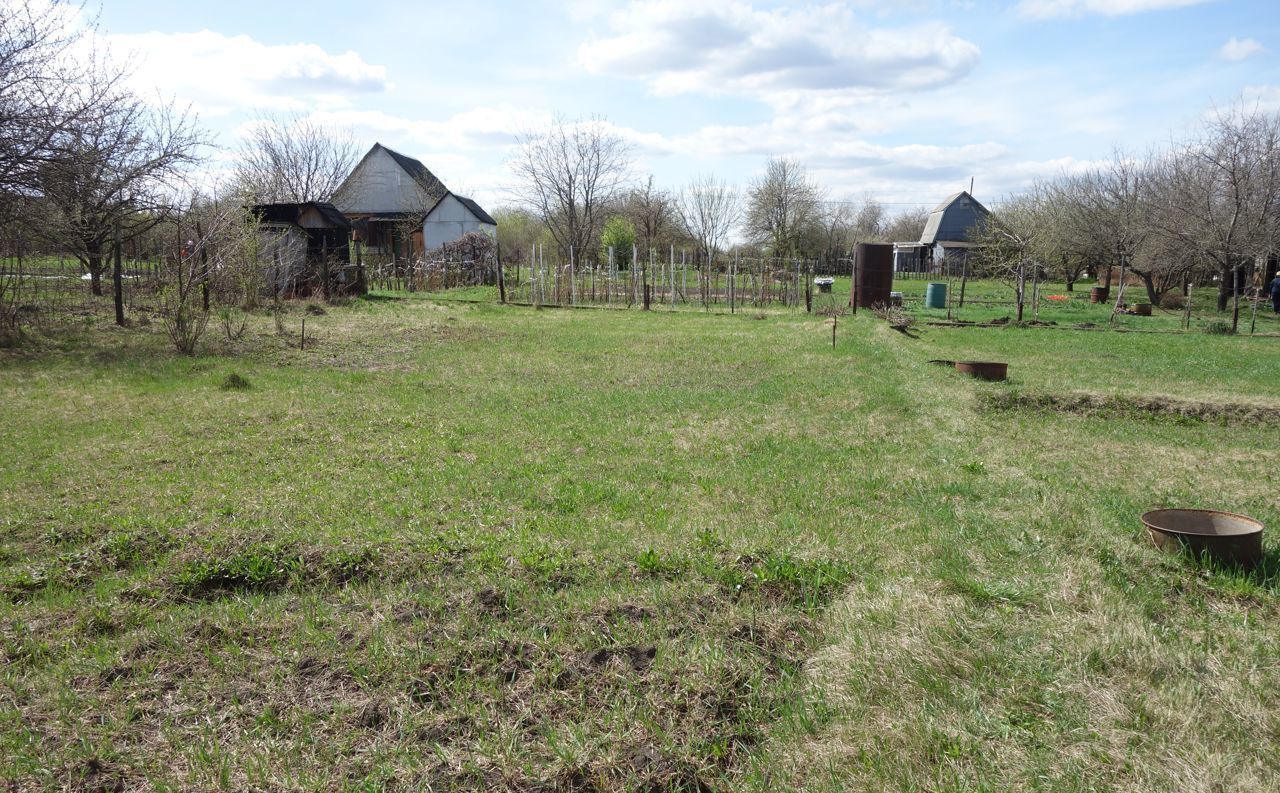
[984, 370]
[1226, 537]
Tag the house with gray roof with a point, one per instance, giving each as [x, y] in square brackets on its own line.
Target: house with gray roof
[952, 229]
[397, 206]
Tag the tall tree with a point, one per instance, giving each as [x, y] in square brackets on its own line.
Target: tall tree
[116, 171]
[782, 205]
[907, 225]
[870, 222]
[836, 221]
[569, 175]
[708, 209]
[293, 159]
[43, 61]
[1218, 193]
[650, 210]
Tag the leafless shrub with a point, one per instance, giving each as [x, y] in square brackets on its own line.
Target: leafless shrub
[234, 321]
[222, 253]
[897, 319]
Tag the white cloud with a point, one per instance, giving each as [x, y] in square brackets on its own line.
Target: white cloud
[1265, 98]
[474, 130]
[1238, 49]
[221, 74]
[1049, 9]
[729, 47]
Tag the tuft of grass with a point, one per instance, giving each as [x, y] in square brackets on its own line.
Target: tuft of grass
[234, 382]
[266, 568]
[1218, 328]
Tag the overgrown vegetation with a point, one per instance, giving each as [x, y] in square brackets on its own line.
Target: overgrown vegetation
[587, 566]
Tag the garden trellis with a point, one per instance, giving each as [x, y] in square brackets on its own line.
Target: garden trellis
[670, 279]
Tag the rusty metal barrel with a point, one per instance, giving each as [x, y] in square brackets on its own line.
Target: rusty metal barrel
[873, 274]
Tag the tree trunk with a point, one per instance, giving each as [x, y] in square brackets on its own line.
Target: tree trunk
[1150, 282]
[1224, 288]
[1235, 299]
[1022, 288]
[117, 276]
[95, 272]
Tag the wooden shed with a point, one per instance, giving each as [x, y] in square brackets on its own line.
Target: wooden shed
[307, 248]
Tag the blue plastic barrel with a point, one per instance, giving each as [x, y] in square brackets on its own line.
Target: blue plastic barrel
[935, 296]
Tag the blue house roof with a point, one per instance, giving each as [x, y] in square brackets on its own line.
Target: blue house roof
[955, 220]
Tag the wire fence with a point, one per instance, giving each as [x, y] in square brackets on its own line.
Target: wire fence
[676, 279]
[40, 288]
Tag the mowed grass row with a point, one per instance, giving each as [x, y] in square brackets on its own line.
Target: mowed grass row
[485, 548]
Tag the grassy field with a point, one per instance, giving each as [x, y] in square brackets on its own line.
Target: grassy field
[462, 546]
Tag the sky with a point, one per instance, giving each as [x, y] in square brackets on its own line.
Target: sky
[904, 102]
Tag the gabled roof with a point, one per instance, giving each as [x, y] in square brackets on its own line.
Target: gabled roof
[480, 214]
[413, 167]
[470, 204]
[291, 212]
[419, 173]
[954, 220]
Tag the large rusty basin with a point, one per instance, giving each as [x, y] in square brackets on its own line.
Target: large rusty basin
[1226, 537]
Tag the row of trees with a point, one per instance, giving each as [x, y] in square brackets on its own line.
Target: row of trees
[83, 161]
[1202, 210]
[574, 189]
[88, 168]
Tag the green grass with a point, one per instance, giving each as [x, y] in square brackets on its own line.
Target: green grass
[473, 547]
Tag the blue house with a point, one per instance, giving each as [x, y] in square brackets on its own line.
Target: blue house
[952, 230]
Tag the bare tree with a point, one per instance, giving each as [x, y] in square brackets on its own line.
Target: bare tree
[114, 174]
[292, 159]
[43, 60]
[569, 175]
[1012, 241]
[708, 209]
[1217, 195]
[782, 206]
[870, 222]
[907, 226]
[650, 210]
[836, 222]
[1103, 215]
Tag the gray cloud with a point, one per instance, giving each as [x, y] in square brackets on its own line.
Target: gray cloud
[734, 48]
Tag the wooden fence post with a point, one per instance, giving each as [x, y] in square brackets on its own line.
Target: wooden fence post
[117, 275]
[502, 284]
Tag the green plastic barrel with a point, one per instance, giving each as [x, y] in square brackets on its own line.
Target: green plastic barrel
[935, 296]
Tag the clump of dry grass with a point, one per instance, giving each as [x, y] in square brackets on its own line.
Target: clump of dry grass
[1121, 405]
